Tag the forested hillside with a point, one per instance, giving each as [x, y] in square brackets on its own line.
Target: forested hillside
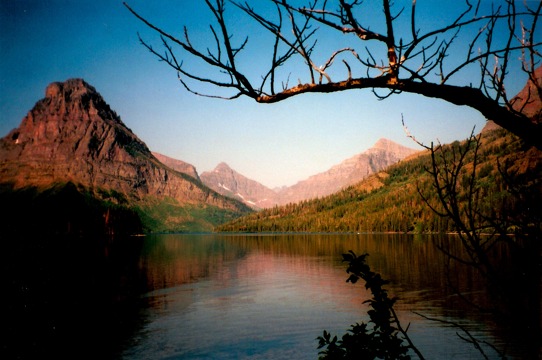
[391, 201]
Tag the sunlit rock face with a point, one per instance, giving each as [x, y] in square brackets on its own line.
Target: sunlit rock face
[528, 100]
[177, 165]
[72, 135]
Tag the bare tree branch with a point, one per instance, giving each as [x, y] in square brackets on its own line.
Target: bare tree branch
[409, 63]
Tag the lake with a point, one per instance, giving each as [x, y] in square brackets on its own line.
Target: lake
[231, 296]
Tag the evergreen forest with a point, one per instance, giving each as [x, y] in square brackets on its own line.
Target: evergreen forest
[401, 198]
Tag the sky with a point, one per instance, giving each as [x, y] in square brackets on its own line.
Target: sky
[42, 41]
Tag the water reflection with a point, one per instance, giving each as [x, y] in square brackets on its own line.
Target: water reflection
[221, 296]
[269, 296]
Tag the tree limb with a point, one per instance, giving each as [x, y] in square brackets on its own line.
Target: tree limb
[417, 58]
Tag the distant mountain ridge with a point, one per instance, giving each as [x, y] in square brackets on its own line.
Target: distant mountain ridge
[73, 136]
[228, 182]
[390, 201]
[350, 171]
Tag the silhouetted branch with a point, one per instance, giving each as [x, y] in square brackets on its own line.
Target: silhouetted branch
[383, 337]
[409, 63]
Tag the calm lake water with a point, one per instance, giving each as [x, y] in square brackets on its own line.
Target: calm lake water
[222, 296]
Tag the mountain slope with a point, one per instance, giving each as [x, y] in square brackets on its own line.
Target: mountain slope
[383, 154]
[389, 200]
[73, 137]
[177, 165]
[229, 182]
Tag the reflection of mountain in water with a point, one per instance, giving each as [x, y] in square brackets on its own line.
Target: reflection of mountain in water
[222, 295]
[412, 262]
[227, 274]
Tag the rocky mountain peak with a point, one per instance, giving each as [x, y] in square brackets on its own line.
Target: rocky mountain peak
[76, 96]
[350, 171]
[71, 87]
[73, 136]
[383, 144]
[221, 178]
[223, 167]
[528, 101]
[70, 134]
[226, 181]
[391, 148]
[73, 121]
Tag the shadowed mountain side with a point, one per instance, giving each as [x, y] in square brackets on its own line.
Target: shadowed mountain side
[73, 136]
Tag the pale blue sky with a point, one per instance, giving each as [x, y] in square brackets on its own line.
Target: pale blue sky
[42, 41]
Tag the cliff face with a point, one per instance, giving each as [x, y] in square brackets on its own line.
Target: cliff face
[72, 135]
[178, 165]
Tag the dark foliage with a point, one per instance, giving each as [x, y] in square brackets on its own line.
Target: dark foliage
[382, 337]
[66, 209]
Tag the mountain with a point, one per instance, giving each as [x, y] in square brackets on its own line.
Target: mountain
[506, 189]
[72, 136]
[177, 165]
[228, 182]
[529, 100]
[383, 154]
[389, 201]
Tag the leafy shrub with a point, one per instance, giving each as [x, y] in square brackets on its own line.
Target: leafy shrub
[383, 336]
